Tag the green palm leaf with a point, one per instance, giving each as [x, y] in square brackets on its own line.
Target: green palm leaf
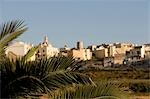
[10, 31]
[104, 90]
[20, 78]
[10, 37]
[11, 27]
[30, 53]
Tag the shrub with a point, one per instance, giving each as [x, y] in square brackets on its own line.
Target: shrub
[140, 87]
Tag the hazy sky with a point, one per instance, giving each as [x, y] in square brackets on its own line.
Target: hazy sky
[92, 21]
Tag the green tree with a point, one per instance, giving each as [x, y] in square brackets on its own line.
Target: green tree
[20, 78]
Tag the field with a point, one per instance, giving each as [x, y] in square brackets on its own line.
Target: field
[133, 80]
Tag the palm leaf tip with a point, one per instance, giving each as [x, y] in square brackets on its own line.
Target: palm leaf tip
[10, 31]
[11, 27]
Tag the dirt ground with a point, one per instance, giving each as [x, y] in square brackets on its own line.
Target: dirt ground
[141, 97]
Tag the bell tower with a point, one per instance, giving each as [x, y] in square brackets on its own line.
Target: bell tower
[46, 39]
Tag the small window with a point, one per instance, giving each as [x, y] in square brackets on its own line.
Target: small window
[138, 52]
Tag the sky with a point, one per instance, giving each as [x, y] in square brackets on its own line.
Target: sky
[90, 21]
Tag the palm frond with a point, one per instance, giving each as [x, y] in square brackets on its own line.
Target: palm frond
[11, 27]
[61, 79]
[31, 77]
[104, 90]
[63, 63]
[6, 40]
[10, 37]
[30, 53]
[10, 31]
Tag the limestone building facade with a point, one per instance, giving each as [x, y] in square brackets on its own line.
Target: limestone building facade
[117, 51]
[18, 49]
[46, 50]
[138, 53]
[80, 53]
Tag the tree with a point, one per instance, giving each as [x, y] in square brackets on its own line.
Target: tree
[20, 78]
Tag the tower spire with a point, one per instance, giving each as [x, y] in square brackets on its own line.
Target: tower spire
[46, 39]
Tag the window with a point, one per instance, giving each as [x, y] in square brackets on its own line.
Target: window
[138, 52]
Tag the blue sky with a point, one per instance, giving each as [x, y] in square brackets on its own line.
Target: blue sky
[92, 21]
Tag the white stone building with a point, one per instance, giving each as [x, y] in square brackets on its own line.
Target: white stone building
[138, 53]
[147, 51]
[46, 50]
[116, 50]
[80, 53]
[18, 49]
[64, 51]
